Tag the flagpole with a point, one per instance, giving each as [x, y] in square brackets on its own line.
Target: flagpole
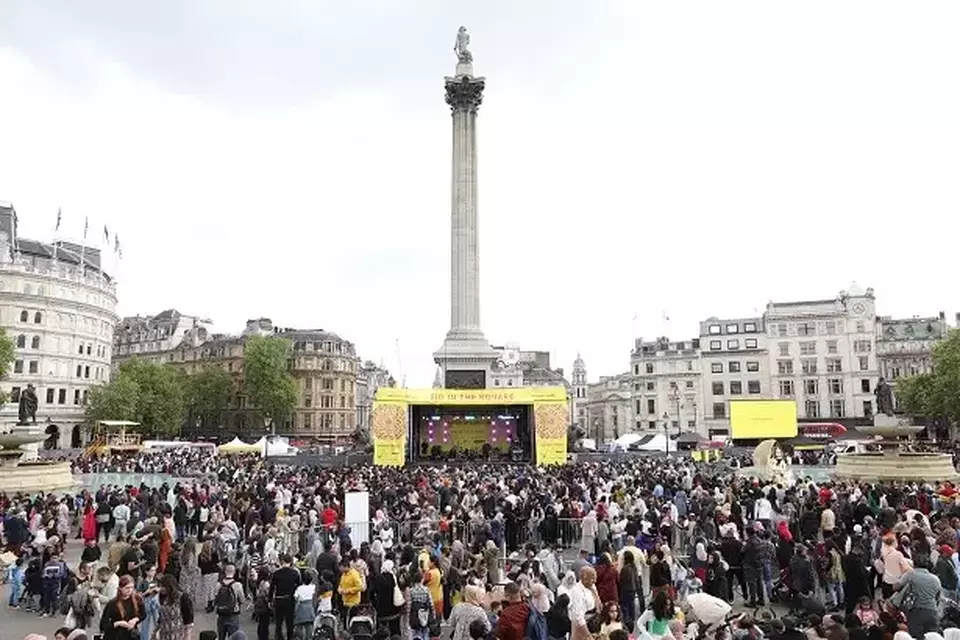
[83, 245]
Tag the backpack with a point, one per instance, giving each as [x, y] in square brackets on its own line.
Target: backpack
[420, 611]
[536, 626]
[226, 601]
[52, 571]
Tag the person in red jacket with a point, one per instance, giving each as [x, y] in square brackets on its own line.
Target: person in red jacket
[608, 580]
[512, 623]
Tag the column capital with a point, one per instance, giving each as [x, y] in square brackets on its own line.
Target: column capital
[464, 93]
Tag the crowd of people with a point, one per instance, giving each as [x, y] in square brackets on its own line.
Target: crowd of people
[640, 547]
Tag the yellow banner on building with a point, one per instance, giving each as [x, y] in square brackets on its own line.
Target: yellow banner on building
[550, 420]
[388, 425]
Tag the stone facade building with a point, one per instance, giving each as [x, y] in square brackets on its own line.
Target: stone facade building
[323, 363]
[58, 305]
[578, 402]
[666, 384]
[905, 345]
[152, 337]
[735, 366]
[609, 408]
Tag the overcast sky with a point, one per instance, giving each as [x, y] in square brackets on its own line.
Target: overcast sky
[290, 159]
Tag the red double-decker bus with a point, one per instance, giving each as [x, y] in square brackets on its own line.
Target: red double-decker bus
[821, 429]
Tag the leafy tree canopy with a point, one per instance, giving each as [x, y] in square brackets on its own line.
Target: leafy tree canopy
[269, 387]
[207, 394]
[7, 355]
[146, 392]
[935, 395]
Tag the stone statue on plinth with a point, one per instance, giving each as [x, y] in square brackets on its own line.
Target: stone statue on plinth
[462, 46]
[28, 406]
[884, 394]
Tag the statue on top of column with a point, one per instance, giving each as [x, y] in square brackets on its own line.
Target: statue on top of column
[462, 46]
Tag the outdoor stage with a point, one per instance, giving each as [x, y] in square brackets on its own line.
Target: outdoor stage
[493, 425]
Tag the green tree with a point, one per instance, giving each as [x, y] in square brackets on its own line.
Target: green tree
[116, 400]
[269, 387]
[7, 355]
[935, 395]
[145, 392]
[208, 393]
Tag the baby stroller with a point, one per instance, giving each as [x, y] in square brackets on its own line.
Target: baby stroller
[326, 627]
[361, 625]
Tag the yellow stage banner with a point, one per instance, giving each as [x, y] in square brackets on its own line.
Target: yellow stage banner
[464, 397]
[389, 429]
[550, 420]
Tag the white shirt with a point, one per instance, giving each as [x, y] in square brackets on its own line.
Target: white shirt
[581, 601]
[763, 509]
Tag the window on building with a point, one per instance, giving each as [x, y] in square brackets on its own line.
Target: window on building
[33, 366]
[651, 406]
[832, 346]
[867, 409]
[61, 396]
[750, 343]
[862, 346]
[716, 345]
[15, 394]
[781, 330]
[733, 328]
[806, 329]
[37, 318]
[306, 421]
[736, 388]
[18, 366]
[830, 327]
[76, 396]
[79, 370]
[689, 384]
[21, 341]
[649, 368]
[865, 385]
[50, 395]
[895, 373]
[673, 384]
[808, 366]
[733, 367]
[834, 365]
[636, 369]
[812, 408]
[811, 387]
[784, 348]
[638, 407]
[80, 349]
[715, 329]
[89, 349]
[835, 386]
[716, 367]
[651, 386]
[35, 342]
[753, 366]
[24, 317]
[838, 408]
[718, 388]
[652, 424]
[861, 327]
[749, 327]
[786, 388]
[733, 344]
[785, 367]
[308, 401]
[808, 347]
[719, 410]
[753, 387]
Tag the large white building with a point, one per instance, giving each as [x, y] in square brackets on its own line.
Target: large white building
[59, 307]
[822, 353]
[667, 382]
[609, 409]
[735, 366]
[905, 345]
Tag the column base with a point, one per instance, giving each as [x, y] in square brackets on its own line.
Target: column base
[466, 360]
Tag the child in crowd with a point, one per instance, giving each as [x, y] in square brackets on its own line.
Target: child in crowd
[15, 578]
[866, 613]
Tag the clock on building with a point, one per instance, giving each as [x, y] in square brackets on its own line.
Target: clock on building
[858, 308]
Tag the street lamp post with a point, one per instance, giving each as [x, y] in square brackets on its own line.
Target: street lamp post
[666, 434]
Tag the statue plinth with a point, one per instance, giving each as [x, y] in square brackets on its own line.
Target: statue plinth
[464, 69]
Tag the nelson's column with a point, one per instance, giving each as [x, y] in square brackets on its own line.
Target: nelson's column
[466, 358]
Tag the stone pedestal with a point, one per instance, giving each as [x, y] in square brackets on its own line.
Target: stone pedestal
[466, 358]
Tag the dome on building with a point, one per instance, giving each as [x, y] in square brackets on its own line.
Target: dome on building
[856, 291]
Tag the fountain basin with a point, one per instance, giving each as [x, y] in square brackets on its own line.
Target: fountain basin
[896, 466]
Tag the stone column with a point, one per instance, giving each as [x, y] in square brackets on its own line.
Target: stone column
[464, 93]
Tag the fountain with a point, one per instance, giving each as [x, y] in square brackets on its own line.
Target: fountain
[19, 468]
[892, 463]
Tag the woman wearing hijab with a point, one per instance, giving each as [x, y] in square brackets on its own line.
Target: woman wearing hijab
[467, 612]
[567, 584]
[383, 594]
